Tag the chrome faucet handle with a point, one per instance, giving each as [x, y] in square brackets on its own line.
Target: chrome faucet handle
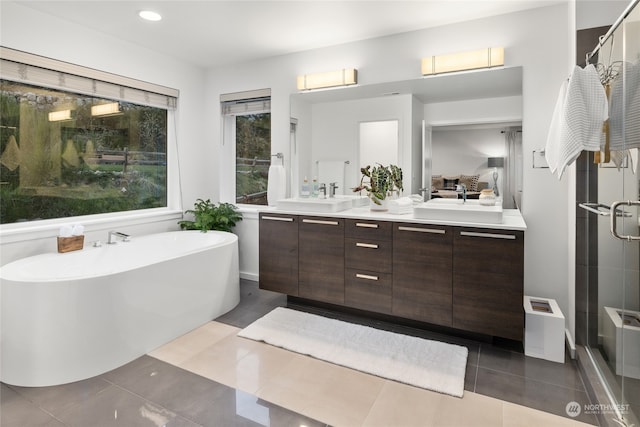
[332, 189]
[323, 188]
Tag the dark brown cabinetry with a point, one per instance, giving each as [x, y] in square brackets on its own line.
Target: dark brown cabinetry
[488, 281]
[278, 259]
[422, 272]
[321, 259]
[460, 277]
[368, 257]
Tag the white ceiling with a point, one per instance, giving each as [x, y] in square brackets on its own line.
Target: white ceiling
[214, 33]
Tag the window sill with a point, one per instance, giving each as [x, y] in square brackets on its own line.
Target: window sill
[17, 232]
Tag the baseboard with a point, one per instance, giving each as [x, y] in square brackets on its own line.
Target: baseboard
[571, 345]
[249, 276]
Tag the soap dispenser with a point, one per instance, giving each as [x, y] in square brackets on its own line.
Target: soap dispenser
[315, 188]
[304, 191]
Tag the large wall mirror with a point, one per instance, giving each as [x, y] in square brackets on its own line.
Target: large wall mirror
[330, 126]
[378, 143]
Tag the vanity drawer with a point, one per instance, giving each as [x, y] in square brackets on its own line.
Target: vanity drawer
[367, 254]
[368, 229]
[368, 290]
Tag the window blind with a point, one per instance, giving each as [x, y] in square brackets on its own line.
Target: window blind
[38, 70]
[249, 102]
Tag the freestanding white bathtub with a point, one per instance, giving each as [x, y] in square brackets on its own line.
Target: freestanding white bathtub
[68, 317]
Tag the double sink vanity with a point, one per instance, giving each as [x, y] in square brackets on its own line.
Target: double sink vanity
[447, 263]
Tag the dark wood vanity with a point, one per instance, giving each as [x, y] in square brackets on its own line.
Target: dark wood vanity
[459, 277]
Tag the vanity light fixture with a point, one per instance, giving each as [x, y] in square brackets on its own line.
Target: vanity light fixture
[149, 15]
[59, 116]
[344, 77]
[463, 61]
[109, 109]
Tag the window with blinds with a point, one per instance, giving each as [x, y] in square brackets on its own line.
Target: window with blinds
[76, 141]
[247, 128]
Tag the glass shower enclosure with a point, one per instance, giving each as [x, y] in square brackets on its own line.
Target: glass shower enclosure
[613, 318]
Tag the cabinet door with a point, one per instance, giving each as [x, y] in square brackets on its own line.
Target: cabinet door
[368, 229]
[368, 290]
[488, 274]
[367, 254]
[278, 257]
[321, 243]
[422, 272]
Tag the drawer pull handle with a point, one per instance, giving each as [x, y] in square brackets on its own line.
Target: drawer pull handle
[277, 218]
[488, 235]
[365, 225]
[422, 230]
[367, 245]
[366, 276]
[317, 221]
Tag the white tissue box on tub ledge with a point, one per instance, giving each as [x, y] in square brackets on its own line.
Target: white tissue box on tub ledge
[617, 331]
[544, 329]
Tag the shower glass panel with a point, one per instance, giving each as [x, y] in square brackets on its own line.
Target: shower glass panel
[614, 342]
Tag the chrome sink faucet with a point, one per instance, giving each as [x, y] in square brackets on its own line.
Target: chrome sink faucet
[463, 189]
[114, 234]
[332, 189]
[323, 189]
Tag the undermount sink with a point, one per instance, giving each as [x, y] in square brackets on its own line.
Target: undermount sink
[315, 205]
[458, 211]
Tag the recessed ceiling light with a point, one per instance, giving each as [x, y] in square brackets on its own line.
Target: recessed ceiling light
[149, 15]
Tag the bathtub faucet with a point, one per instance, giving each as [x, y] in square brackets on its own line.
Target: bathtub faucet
[114, 234]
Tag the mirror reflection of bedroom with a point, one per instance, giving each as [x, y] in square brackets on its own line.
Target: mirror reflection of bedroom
[480, 156]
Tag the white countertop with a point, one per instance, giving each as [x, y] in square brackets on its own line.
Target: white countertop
[511, 218]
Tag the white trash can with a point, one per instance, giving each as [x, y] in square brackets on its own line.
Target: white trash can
[544, 329]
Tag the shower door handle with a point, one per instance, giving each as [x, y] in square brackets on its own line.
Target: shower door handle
[614, 219]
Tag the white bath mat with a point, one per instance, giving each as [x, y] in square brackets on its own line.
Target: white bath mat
[423, 363]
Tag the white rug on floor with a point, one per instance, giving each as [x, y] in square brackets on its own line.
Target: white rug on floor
[419, 362]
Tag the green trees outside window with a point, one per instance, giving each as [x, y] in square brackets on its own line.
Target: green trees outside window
[66, 154]
[253, 157]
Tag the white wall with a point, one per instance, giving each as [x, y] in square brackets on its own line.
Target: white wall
[538, 40]
[77, 44]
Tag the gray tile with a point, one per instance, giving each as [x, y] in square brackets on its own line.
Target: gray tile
[561, 374]
[196, 398]
[470, 377]
[531, 393]
[254, 303]
[17, 411]
[115, 406]
[56, 399]
[183, 392]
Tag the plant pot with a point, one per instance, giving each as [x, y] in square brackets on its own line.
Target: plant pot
[378, 207]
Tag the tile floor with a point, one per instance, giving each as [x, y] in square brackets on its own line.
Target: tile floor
[210, 377]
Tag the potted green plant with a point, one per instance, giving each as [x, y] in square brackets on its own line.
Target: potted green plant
[208, 216]
[380, 182]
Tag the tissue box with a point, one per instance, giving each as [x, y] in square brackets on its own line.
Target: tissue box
[544, 329]
[68, 244]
